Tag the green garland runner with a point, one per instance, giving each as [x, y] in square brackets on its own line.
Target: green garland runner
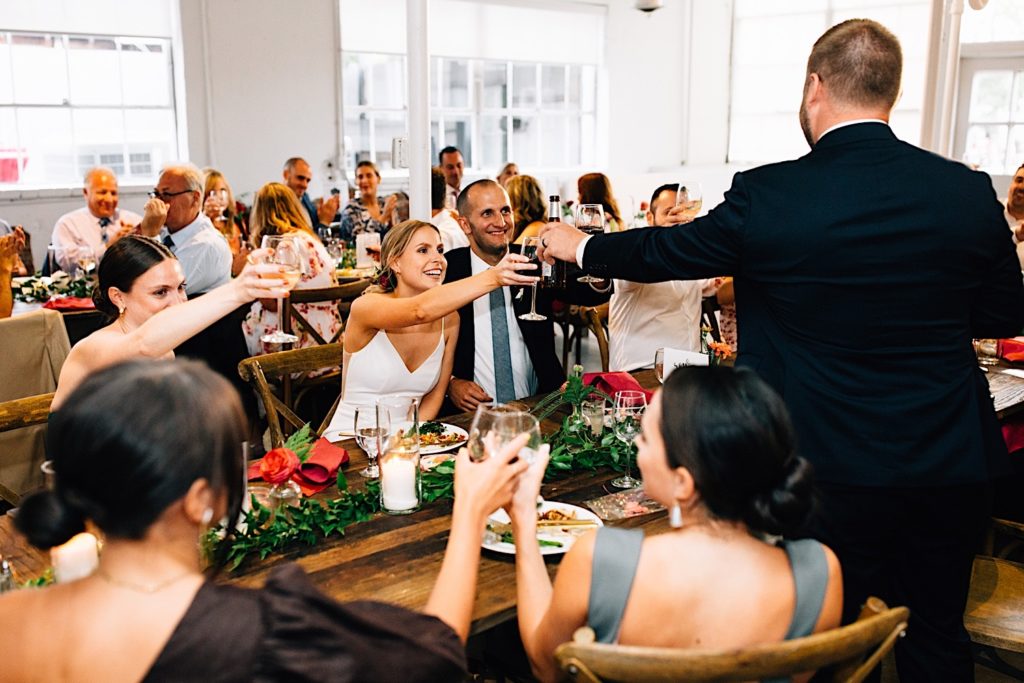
[574, 448]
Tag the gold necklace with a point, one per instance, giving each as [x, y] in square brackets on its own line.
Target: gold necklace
[138, 587]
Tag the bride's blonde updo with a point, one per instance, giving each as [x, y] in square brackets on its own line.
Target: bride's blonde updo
[394, 245]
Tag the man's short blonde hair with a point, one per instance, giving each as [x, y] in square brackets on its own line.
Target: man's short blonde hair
[860, 62]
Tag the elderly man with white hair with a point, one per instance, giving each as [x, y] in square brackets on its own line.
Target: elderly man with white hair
[174, 216]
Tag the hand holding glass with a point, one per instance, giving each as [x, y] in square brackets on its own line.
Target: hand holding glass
[529, 250]
[590, 219]
[690, 197]
[287, 253]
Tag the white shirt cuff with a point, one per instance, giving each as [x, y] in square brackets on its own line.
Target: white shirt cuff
[580, 249]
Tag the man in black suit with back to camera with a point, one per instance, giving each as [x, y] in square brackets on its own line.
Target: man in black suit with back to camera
[862, 272]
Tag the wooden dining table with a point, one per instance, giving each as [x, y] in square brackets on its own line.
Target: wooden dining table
[395, 558]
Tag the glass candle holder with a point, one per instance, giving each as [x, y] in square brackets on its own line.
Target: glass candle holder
[400, 477]
[76, 559]
[987, 351]
[593, 415]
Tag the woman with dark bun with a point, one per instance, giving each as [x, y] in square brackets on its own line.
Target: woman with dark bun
[150, 453]
[142, 290]
[717, 449]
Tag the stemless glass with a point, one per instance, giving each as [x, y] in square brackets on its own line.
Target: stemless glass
[629, 408]
[590, 219]
[371, 427]
[690, 197]
[592, 411]
[287, 252]
[529, 250]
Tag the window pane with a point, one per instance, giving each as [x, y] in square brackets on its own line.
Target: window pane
[455, 83]
[435, 81]
[45, 137]
[40, 69]
[1017, 112]
[552, 80]
[141, 163]
[98, 130]
[387, 81]
[1001, 20]
[990, 96]
[493, 140]
[353, 77]
[387, 127]
[151, 132]
[986, 147]
[495, 85]
[525, 136]
[524, 85]
[146, 65]
[94, 74]
[6, 89]
[575, 74]
[588, 88]
[457, 132]
[11, 156]
[1015, 150]
[552, 137]
[357, 139]
[575, 140]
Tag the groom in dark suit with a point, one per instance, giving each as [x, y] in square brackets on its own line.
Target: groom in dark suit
[498, 356]
[862, 272]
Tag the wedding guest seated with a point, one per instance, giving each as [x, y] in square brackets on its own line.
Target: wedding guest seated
[150, 454]
[297, 175]
[442, 218]
[596, 188]
[97, 224]
[227, 216]
[401, 333]
[1014, 211]
[25, 255]
[173, 215]
[142, 290]
[451, 163]
[276, 212]
[10, 247]
[717, 449]
[643, 318]
[367, 212]
[529, 206]
[507, 173]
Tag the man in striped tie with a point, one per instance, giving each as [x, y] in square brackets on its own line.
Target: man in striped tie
[96, 225]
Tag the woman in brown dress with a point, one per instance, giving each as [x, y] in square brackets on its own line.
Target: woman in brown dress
[150, 453]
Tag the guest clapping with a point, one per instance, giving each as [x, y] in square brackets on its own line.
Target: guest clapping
[367, 212]
[717, 449]
[220, 207]
[10, 246]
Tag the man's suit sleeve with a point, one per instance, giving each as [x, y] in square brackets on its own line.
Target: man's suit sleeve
[707, 247]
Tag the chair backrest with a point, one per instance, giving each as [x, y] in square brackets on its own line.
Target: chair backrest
[597, 321]
[21, 474]
[341, 295]
[847, 646]
[255, 371]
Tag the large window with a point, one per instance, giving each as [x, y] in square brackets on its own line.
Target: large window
[771, 42]
[990, 109]
[538, 115]
[71, 101]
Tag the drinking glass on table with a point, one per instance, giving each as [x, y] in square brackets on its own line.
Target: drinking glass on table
[690, 197]
[590, 219]
[529, 250]
[85, 257]
[287, 253]
[592, 411]
[659, 365]
[629, 408]
[371, 427]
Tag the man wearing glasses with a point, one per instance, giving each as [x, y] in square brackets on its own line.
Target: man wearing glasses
[96, 225]
[174, 216]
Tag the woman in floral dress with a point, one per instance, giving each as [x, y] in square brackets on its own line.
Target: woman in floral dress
[276, 211]
[367, 212]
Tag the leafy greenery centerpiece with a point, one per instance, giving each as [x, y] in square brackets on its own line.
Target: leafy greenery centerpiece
[41, 288]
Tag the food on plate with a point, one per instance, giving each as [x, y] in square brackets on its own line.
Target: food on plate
[556, 515]
[504, 535]
[436, 434]
[635, 508]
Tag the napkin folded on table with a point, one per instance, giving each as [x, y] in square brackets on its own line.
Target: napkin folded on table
[70, 303]
[319, 470]
[1012, 349]
[610, 382]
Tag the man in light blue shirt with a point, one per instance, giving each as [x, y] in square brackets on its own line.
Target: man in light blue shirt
[173, 215]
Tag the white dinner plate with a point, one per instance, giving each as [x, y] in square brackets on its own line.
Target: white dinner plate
[492, 540]
[448, 429]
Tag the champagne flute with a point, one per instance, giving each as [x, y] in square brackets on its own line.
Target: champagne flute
[659, 365]
[529, 250]
[288, 254]
[629, 408]
[590, 219]
[371, 425]
[690, 197]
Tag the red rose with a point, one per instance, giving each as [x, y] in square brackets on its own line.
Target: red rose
[279, 465]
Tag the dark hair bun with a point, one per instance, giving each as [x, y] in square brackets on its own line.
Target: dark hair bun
[785, 509]
[46, 520]
[103, 303]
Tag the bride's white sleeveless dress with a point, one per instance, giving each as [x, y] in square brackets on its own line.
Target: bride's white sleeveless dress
[378, 370]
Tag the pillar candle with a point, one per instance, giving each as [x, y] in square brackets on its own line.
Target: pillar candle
[76, 559]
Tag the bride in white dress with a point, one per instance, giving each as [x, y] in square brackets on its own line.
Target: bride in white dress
[400, 336]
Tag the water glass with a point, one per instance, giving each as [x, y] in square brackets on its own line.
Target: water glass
[371, 426]
[629, 409]
[987, 351]
[593, 415]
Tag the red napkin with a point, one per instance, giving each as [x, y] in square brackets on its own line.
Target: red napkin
[1012, 350]
[70, 303]
[610, 382]
[319, 470]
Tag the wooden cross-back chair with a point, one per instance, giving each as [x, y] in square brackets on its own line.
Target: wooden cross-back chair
[18, 414]
[597, 321]
[855, 650]
[341, 295]
[994, 617]
[280, 366]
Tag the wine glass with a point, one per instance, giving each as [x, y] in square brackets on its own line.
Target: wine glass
[287, 253]
[85, 257]
[371, 425]
[629, 408]
[496, 425]
[590, 219]
[659, 365]
[529, 250]
[690, 197]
